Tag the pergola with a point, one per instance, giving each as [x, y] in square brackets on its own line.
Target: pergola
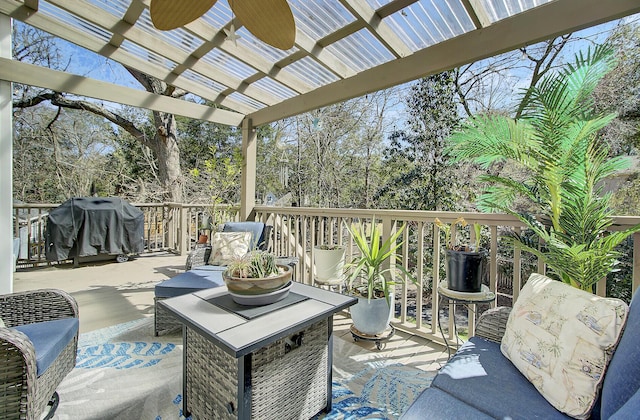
[343, 49]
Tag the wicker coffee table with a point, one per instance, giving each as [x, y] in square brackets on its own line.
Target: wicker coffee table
[243, 362]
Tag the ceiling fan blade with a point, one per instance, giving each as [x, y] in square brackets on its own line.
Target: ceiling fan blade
[271, 21]
[172, 14]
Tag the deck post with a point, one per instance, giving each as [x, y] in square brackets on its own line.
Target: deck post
[249, 153]
[6, 165]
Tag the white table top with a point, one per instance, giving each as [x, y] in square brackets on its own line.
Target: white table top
[485, 295]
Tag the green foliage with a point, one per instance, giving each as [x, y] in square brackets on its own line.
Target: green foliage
[203, 140]
[619, 91]
[222, 173]
[368, 267]
[555, 144]
[451, 234]
[420, 175]
[256, 264]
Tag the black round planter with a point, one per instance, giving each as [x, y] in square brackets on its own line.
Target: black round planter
[465, 270]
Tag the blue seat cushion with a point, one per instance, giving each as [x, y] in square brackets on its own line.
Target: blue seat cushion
[630, 409]
[435, 404]
[49, 338]
[256, 229]
[190, 281]
[622, 378]
[483, 378]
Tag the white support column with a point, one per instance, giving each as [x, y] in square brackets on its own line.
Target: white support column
[249, 153]
[6, 165]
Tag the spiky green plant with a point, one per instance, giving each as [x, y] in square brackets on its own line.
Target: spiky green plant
[450, 234]
[368, 272]
[256, 264]
[554, 144]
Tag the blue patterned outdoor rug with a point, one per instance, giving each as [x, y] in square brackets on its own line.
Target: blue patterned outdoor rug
[124, 372]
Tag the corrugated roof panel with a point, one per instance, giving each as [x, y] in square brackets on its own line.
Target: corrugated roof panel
[219, 15]
[265, 50]
[274, 88]
[74, 21]
[360, 51]
[312, 73]
[150, 56]
[226, 63]
[179, 38]
[116, 7]
[320, 18]
[198, 78]
[429, 22]
[501, 9]
[376, 4]
[239, 97]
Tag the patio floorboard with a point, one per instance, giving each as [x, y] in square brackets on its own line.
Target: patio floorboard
[109, 293]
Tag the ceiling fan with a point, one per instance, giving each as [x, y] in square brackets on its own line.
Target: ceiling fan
[271, 21]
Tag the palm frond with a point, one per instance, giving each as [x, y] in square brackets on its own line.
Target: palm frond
[487, 139]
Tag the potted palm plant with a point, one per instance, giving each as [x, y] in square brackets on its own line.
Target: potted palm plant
[370, 279]
[554, 145]
[465, 264]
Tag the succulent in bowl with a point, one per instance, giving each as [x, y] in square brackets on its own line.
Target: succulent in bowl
[256, 273]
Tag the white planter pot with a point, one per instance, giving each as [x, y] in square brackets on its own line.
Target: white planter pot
[373, 316]
[329, 264]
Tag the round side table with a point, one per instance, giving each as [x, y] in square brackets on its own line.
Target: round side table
[461, 298]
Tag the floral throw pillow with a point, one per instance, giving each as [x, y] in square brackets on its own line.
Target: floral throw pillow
[227, 246]
[562, 339]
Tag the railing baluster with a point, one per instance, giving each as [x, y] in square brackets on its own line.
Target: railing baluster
[405, 283]
[419, 273]
[435, 299]
[517, 269]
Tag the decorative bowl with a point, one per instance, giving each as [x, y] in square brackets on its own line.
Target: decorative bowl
[258, 286]
[262, 299]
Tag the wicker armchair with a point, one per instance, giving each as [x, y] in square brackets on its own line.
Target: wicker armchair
[491, 323]
[25, 393]
[198, 257]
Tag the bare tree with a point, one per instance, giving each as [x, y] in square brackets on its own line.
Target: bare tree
[488, 85]
[57, 154]
[164, 142]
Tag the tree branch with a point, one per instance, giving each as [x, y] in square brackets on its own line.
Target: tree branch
[59, 100]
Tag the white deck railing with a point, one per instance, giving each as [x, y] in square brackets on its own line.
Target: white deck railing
[167, 227]
[175, 228]
[298, 230]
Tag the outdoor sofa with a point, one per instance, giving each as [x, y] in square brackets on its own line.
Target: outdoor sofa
[38, 344]
[479, 382]
[200, 274]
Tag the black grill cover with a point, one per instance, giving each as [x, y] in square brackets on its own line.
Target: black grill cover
[89, 226]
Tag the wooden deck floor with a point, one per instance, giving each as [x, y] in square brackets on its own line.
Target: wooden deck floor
[110, 293]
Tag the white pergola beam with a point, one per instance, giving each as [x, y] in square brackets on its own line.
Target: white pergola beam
[477, 13]
[91, 43]
[378, 27]
[535, 25]
[138, 36]
[28, 74]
